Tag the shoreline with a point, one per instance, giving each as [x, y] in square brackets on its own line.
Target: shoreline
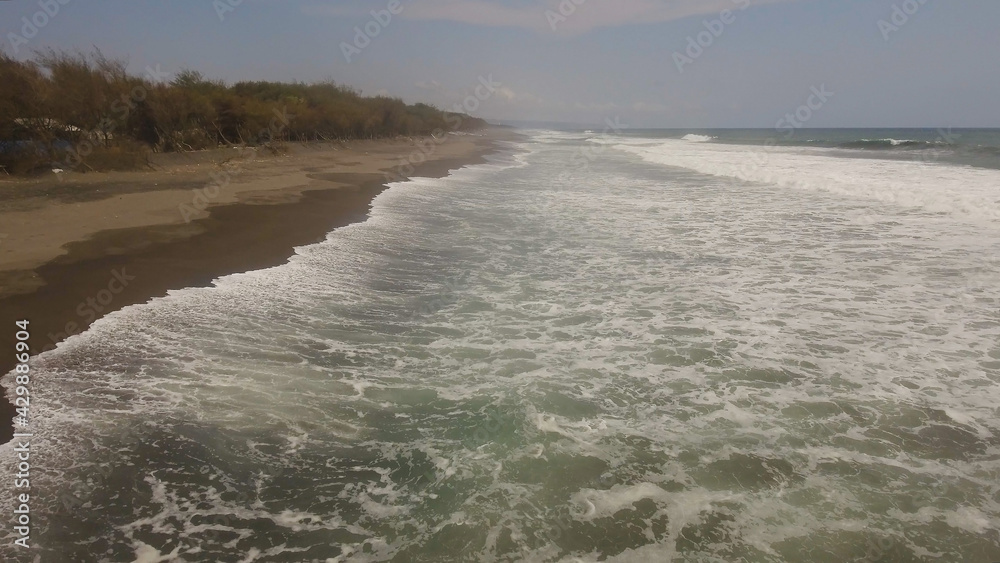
[272, 207]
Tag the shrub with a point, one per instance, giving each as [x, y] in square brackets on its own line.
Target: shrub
[62, 103]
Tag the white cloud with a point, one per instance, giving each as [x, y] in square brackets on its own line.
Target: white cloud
[429, 85]
[506, 93]
[567, 16]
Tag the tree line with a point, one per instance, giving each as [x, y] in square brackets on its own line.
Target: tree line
[88, 112]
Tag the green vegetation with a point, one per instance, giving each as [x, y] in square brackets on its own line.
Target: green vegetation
[86, 112]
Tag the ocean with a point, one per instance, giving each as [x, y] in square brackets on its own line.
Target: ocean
[692, 346]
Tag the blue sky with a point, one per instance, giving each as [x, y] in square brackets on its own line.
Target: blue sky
[585, 62]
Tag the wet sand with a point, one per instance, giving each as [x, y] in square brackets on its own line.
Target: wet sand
[69, 255]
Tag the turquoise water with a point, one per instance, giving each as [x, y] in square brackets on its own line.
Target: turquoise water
[593, 348]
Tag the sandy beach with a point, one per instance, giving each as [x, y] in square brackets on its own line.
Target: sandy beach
[75, 247]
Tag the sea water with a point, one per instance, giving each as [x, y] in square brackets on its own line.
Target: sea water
[639, 347]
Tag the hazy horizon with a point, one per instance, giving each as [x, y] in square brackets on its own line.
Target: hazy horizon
[528, 124]
[646, 63]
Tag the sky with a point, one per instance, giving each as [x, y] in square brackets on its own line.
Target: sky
[635, 63]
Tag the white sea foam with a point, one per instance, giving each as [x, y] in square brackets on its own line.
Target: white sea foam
[698, 138]
[611, 362]
[936, 188]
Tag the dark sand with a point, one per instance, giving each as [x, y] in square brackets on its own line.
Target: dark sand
[234, 237]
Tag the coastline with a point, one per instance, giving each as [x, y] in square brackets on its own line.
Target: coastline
[61, 271]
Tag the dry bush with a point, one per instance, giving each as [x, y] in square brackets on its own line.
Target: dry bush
[121, 156]
[22, 161]
[91, 102]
